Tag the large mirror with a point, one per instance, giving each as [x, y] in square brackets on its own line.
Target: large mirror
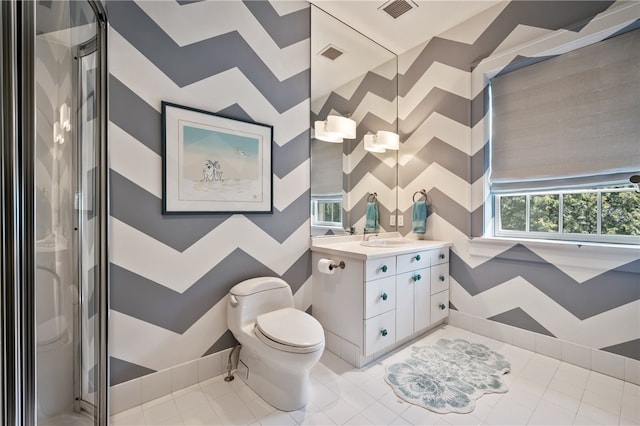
[351, 76]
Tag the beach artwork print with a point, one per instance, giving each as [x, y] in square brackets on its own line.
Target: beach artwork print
[219, 166]
[215, 164]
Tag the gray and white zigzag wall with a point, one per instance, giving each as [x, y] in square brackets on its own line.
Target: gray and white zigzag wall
[595, 304]
[370, 100]
[170, 275]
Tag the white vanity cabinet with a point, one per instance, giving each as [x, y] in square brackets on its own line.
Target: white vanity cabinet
[381, 299]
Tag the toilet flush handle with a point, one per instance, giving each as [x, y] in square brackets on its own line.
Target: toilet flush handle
[234, 301]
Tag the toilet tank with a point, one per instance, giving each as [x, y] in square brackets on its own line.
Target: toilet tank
[258, 296]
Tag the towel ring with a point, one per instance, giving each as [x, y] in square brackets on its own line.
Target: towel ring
[421, 192]
[372, 197]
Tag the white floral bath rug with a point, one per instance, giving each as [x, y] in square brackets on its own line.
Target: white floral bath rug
[448, 376]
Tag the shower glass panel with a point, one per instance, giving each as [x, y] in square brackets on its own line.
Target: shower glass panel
[87, 226]
[67, 213]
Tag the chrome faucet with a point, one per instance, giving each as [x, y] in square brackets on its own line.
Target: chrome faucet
[370, 234]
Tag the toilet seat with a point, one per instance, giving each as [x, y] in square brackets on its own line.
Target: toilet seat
[290, 330]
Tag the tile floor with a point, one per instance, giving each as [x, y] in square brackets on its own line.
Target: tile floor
[543, 391]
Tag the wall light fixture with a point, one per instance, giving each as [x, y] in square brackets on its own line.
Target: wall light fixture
[389, 140]
[335, 128]
[371, 143]
[320, 133]
[381, 141]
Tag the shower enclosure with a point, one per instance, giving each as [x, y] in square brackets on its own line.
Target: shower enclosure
[54, 213]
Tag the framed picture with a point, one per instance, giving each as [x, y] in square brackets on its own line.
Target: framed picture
[214, 164]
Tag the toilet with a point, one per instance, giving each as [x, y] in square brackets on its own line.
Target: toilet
[280, 344]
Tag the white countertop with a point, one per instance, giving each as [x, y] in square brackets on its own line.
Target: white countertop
[349, 246]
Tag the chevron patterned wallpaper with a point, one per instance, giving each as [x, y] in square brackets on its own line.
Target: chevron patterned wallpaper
[370, 100]
[250, 60]
[170, 275]
[596, 304]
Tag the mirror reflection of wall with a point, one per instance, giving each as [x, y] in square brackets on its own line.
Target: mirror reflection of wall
[355, 78]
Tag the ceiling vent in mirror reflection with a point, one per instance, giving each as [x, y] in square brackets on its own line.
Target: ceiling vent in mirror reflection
[331, 52]
[335, 129]
[396, 8]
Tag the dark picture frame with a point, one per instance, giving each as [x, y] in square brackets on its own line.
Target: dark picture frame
[214, 164]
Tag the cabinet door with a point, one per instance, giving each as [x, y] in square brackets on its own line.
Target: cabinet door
[380, 333]
[380, 296]
[439, 306]
[439, 278]
[404, 304]
[422, 302]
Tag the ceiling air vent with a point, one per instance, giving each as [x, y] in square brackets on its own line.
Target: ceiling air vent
[397, 8]
[331, 52]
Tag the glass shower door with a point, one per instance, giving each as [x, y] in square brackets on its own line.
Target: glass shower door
[70, 211]
[87, 223]
[53, 213]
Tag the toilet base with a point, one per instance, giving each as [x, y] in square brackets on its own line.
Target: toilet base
[281, 388]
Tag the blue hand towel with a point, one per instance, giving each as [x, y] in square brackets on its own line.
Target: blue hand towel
[372, 217]
[419, 217]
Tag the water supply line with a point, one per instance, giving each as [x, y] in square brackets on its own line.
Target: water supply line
[230, 377]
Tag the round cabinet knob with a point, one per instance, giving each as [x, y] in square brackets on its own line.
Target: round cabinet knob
[417, 277]
[442, 278]
[384, 268]
[384, 332]
[442, 256]
[417, 257]
[384, 296]
[442, 306]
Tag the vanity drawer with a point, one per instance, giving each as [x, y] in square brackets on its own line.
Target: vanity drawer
[439, 278]
[413, 261]
[440, 256]
[379, 332]
[380, 296]
[439, 306]
[380, 268]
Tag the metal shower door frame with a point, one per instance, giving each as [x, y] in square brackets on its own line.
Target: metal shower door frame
[17, 214]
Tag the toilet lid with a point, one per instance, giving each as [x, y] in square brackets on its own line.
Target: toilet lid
[291, 327]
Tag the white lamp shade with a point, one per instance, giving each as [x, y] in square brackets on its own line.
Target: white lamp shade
[65, 120]
[389, 140]
[343, 126]
[371, 145]
[320, 133]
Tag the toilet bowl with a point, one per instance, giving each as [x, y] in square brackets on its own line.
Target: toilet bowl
[280, 344]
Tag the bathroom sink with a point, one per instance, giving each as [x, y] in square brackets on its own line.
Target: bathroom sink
[386, 243]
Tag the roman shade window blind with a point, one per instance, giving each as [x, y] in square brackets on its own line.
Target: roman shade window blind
[569, 121]
[326, 171]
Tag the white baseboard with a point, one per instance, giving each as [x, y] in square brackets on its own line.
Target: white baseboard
[604, 362]
[160, 383]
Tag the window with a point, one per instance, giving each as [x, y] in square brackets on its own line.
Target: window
[606, 214]
[326, 210]
[565, 138]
